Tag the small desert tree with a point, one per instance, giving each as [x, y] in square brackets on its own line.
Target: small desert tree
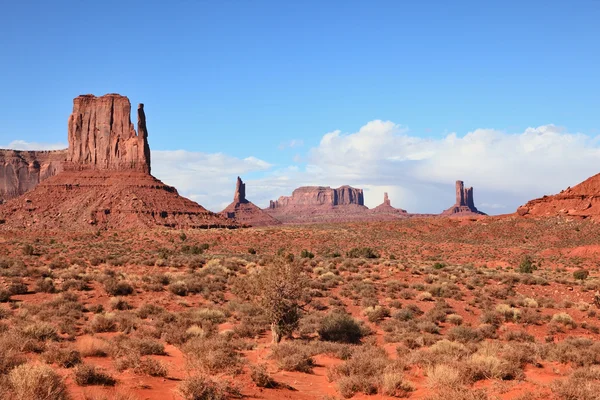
[280, 290]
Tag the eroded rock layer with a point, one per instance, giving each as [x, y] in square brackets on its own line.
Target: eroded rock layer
[105, 180]
[93, 199]
[21, 171]
[465, 205]
[101, 135]
[245, 212]
[582, 201]
[386, 208]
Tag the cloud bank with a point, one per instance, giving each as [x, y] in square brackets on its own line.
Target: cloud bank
[506, 169]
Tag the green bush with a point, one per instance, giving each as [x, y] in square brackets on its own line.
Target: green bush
[340, 327]
[362, 252]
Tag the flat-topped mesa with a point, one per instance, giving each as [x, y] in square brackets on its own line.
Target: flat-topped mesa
[102, 137]
[320, 196]
[464, 201]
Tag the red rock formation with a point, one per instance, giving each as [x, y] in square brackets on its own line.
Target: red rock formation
[465, 205]
[320, 196]
[386, 208]
[244, 212]
[101, 135]
[320, 204]
[106, 181]
[21, 171]
[581, 201]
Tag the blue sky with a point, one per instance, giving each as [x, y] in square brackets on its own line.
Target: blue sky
[243, 79]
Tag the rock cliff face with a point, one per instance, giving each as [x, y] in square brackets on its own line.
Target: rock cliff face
[465, 205]
[386, 208]
[320, 204]
[581, 201]
[245, 212]
[101, 135]
[105, 180]
[21, 171]
[320, 196]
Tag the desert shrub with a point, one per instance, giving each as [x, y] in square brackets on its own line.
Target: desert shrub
[117, 287]
[362, 252]
[527, 265]
[203, 387]
[376, 313]
[464, 334]
[10, 354]
[306, 254]
[179, 288]
[576, 350]
[45, 285]
[117, 303]
[41, 331]
[18, 287]
[280, 289]
[574, 388]
[36, 382]
[103, 323]
[251, 250]
[293, 356]
[443, 377]
[454, 319]
[340, 327]
[261, 377]
[213, 355]
[4, 295]
[87, 374]
[28, 250]
[64, 357]
[581, 274]
[565, 319]
[362, 372]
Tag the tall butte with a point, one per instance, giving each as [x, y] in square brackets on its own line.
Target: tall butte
[464, 205]
[105, 180]
[245, 212]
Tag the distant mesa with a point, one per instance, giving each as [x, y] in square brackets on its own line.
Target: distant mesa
[580, 201]
[309, 204]
[101, 181]
[465, 205]
[386, 208]
[320, 196]
[245, 212]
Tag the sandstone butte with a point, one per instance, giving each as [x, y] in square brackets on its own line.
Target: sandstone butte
[320, 204]
[386, 208]
[245, 212]
[101, 181]
[465, 205]
[580, 201]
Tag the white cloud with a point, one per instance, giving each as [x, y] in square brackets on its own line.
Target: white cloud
[23, 145]
[208, 179]
[506, 169]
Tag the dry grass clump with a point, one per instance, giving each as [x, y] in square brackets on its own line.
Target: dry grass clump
[340, 327]
[36, 382]
[212, 355]
[87, 374]
[370, 371]
[293, 356]
[65, 357]
[203, 387]
[93, 347]
[261, 377]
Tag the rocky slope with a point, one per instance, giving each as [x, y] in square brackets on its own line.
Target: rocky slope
[106, 181]
[21, 171]
[581, 201]
[245, 212]
[465, 205]
[386, 208]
